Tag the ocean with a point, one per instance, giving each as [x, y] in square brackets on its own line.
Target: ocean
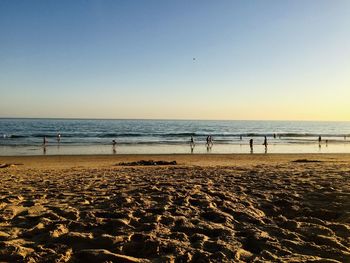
[83, 136]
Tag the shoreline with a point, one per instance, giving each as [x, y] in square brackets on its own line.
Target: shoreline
[182, 159]
[244, 148]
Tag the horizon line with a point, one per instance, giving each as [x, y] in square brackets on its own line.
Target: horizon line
[170, 119]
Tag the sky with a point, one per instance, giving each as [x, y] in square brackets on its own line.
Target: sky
[233, 60]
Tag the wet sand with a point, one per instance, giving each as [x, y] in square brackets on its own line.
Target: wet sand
[207, 208]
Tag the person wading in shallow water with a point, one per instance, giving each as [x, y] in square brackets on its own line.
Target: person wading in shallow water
[44, 141]
[58, 138]
[208, 143]
[114, 144]
[319, 141]
[265, 142]
[44, 144]
[251, 145]
[192, 144]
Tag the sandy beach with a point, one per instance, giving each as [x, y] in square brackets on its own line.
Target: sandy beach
[206, 208]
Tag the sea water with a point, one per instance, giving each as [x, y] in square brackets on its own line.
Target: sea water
[82, 136]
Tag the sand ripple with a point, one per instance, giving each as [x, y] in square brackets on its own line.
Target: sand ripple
[288, 212]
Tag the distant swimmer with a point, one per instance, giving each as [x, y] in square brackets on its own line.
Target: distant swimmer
[58, 137]
[251, 145]
[274, 135]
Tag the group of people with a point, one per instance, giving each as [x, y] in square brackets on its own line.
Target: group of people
[58, 138]
[264, 143]
[45, 141]
[209, 142]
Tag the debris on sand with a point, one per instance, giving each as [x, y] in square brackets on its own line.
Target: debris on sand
[149, 162]
[306, 161]
[5, 165]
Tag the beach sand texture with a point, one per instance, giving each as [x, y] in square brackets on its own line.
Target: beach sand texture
[207, 208]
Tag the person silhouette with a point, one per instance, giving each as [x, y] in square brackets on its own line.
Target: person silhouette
[58, 138]
[251, 145]
[319, 141]
[192, 144]
[44, 141]
[210, 141]
[114, 144]
[265, 142]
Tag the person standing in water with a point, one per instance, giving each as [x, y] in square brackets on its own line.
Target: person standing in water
[265, 143]
[192, 144]
[319, 142]
[251, 145]
[44, 144]
[208, 143]
[211, 141]
[114, 144]
[58, 138]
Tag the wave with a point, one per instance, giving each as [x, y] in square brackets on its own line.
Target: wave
[112, 135]
[172, 135]
[15, 136]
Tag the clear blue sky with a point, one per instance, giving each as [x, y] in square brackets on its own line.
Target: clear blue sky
[134, 59]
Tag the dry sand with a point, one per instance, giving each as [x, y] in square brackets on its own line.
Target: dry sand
[207, 208]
